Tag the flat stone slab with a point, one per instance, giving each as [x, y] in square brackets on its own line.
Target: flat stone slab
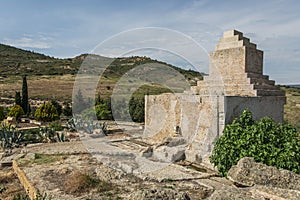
[57, 148]
[174, 172]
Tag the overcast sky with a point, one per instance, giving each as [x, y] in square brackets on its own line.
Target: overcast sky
[71, 27]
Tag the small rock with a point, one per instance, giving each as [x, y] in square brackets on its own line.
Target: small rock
[30, 156]
[170, 154]
[147, 152]
[176, 141]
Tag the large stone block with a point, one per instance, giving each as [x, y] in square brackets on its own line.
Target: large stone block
[248, 173]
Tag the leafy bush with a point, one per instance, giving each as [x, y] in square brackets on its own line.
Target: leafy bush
[56, 125]
[46, 113]
[137, 108]
[57, 106]
[16, 111]
[103, 112]
[2, 113]
[67, 110]
[272, 144]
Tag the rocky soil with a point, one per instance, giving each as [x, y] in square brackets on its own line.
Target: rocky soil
[55, 169]
[9, 184]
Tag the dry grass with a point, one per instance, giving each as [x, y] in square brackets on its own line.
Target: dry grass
[40, 87]
[9, 184]
[292, 107]
[80, 182]
[51, 87]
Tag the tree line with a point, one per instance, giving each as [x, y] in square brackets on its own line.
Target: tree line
[53, 110]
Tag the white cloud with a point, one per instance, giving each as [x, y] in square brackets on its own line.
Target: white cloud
[27, 42]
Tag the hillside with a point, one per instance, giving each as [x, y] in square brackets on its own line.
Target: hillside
[15, 61]
[53, 78]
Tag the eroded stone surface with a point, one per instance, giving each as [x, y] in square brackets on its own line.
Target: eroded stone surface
[236, 82]
[171, 181]
[248, 173]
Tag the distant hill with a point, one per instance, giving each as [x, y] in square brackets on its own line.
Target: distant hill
[15, 61]
[53, 78]
[296, 86]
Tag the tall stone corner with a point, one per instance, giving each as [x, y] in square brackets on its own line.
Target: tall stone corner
[235, 82]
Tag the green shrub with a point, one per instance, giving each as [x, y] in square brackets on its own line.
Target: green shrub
[2, 113]
[67, 110]
[56, 126]
[137, 108]
[272, 144]
[57, 106]
[46, 113]
[16, 111]
[103, 112]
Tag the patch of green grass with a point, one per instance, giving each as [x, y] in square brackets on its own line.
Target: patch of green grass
[41, 159]
[46, 158]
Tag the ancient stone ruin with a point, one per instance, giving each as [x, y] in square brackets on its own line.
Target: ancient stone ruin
[235, 82]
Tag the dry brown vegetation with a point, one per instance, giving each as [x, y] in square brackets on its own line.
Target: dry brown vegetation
[40, 87]
[9, 184]
[80, 182]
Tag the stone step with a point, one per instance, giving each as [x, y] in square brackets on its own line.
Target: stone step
[232, 33]
[256, 75]
[234, 77]
[235, 44]
[266, 87]
[261, 92]
[230, 86]
[250, 45]
[234, 38]
[237, 92]
[226, 81]
[229, 45]
[241, 93]
[261, 81]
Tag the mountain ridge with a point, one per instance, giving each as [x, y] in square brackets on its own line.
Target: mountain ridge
[15, 61]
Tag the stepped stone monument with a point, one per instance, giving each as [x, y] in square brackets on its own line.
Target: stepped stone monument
[235, 83]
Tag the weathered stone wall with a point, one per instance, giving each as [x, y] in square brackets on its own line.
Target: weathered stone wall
[260, 107]
[200, 120]
[160, 116]
[235, 83]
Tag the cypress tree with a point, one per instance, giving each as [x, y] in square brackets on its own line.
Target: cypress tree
[18, 100]
[25, 95]
[79, 103]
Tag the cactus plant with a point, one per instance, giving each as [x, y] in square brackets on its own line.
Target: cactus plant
[87, 126]
[10, 137]
[47, 134]
[60, 137]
